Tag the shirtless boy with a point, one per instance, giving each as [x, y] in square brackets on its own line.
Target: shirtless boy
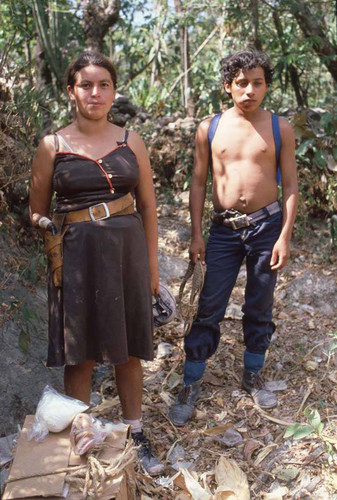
[244, 183]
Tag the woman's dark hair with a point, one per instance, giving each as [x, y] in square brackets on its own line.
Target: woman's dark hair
[243, 60]
[85, 59]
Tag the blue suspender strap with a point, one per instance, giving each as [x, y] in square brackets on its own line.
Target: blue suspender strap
[211, 133]
[277, 141]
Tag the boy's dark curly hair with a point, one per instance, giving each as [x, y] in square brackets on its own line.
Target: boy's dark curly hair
[243, 60]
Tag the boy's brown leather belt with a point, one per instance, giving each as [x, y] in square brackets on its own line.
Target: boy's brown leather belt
[100, 211]
[236, 220]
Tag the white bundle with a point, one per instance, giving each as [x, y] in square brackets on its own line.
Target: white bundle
[54, 413]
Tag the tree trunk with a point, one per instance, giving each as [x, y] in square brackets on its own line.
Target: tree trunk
[300, 93]
[185, 61]
[316, 29]
[98, 17]
[254, 8]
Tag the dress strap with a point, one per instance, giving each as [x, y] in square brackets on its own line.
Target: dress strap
[56, 142]
[64, 142]
[125, 138]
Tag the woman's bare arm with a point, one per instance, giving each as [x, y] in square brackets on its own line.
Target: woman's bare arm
[41, 180]
[146, 205]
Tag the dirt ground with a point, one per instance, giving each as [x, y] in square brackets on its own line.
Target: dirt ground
[227, 424]
[231, 445]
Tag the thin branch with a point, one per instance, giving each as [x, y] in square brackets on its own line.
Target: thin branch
[199, 49]
[268, 4]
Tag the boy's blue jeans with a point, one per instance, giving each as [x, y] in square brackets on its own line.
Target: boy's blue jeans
[226, 250]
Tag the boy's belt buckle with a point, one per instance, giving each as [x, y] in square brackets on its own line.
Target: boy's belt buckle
[240, 221]
[106, 209]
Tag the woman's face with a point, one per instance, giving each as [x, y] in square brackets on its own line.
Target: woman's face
[93, 92]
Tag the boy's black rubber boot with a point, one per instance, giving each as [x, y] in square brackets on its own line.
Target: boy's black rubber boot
[182, 410]
[253, 384]
[149, 462]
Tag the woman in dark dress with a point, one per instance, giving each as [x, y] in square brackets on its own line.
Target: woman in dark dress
[100, 306]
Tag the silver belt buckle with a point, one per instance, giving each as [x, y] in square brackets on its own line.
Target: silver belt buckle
[107, 212]
[245, 220]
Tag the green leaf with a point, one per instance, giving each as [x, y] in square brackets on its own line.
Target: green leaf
[304, 146]
[290, 431]
[320, 159]
[314, 419]
[303, 431]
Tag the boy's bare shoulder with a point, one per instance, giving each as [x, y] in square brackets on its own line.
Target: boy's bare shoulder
[286, 129]
[204, 124]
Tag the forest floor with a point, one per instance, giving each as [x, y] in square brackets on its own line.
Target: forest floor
[227, 424]
[230, 444]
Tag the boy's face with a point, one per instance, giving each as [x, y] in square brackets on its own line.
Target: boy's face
[248, 88]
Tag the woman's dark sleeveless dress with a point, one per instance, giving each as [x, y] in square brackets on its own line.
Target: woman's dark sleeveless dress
[103, 311]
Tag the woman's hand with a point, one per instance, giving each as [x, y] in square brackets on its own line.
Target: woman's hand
[154, 280]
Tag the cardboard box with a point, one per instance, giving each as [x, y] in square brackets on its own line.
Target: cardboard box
[34, 472]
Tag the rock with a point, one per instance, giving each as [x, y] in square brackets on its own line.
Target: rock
[188, 124]
[178, 453]
[277, 492]
[184, 196]
[164, 350]
[314, 289]
[287, 474]
[231, 437]
[6, 446]
[142, 116]
[170, 267]
[283, 315]
[233, 311]
[95, 398]
[165, 211]
[119, 119]
[3, 478]
[327, 309]
[183, 465]
[311, 366]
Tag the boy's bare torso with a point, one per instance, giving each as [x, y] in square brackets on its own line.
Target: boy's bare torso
[244, 164]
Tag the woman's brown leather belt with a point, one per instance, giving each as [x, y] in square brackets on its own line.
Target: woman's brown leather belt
[98, 212]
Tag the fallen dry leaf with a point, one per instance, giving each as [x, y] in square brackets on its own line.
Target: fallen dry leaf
[277, 494]
[249, 448]
[212, 379]
[219, 429]
[194, 488]
[231, 480]
[264, 453]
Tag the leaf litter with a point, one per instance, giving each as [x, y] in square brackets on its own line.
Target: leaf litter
[288, 452]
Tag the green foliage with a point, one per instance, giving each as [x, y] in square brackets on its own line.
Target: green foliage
[334, 345]
[317, 166]
[301, 430]
[145, 46]
[333, 230]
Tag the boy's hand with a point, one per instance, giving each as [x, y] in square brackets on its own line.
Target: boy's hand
[280, 254]
[197, 249]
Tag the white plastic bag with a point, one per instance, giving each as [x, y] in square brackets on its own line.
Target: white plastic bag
[54, 413]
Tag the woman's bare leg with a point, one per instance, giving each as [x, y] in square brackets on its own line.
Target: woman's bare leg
[77, 380]
[129, 380]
